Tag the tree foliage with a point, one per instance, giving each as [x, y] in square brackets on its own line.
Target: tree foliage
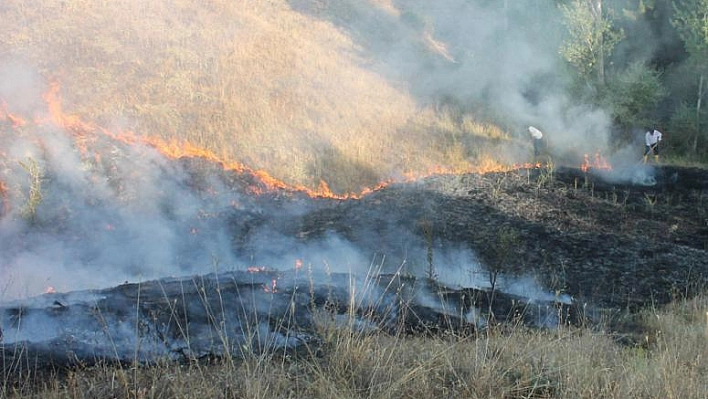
[591, 38]
[685, 131]
[633, 94]
[691, 22]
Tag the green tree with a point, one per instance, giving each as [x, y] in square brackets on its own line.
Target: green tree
[633, 94]
[591, 38]
[691, 22]
[683, 123]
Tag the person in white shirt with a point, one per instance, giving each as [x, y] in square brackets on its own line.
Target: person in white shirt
[652, 138]
[537, 145]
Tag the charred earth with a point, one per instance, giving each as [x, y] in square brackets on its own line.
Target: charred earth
[545, 246]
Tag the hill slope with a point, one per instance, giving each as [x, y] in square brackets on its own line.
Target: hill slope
[262, 83]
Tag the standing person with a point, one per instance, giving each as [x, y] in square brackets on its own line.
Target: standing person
[652, 138]
[537, 136]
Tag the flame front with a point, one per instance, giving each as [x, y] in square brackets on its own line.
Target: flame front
[84, 134]
[5, 115]
[598, 162]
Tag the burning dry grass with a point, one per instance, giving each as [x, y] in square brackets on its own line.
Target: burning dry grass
[253, 82]
[513, 362]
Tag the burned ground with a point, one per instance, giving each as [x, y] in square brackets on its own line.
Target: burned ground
[592, 241]
[611, 245]
[618, 239]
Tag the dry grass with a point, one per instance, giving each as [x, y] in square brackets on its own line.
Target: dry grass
[516, 363]
[253, 82]
[256, 82]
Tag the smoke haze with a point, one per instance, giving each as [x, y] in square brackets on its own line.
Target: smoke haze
[122, 211]
[499, 57]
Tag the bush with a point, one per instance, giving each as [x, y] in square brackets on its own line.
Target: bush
[689, 134]
[633, 95]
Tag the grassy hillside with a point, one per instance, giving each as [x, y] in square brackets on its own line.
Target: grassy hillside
[255, 82]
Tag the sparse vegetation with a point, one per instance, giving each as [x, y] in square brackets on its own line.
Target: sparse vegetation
[34, 194]
[660, 352]
[427, 227]
[667, 358]
[546, 176]
[258, 83]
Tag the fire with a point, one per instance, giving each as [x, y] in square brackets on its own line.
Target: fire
[173, 148]
[50, 290]
[54, 106]
[16, 121]
[184, 149]
[83, 133]
[528, 165]
[273, 287]
[273, 282]
[599, 162]
[5, 115]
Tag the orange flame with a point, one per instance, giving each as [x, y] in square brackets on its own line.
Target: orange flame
[54, 105]
[5, 115]
[599, 162]
[83, 132]
[273, 288]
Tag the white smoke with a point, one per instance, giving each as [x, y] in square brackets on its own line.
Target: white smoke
[95, 227]
[135, 215]
[501, 59]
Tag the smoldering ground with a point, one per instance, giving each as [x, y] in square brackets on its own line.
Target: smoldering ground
[125, 212]
[115, 211]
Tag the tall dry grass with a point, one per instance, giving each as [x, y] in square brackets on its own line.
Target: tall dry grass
[671, 361]
[252, 81]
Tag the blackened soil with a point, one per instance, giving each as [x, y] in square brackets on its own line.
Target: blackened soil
[619, 239]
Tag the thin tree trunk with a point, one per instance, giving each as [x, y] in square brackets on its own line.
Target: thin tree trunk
[698, 115]
[596, 6]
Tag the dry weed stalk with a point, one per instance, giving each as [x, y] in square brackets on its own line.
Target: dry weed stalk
[35, 195]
